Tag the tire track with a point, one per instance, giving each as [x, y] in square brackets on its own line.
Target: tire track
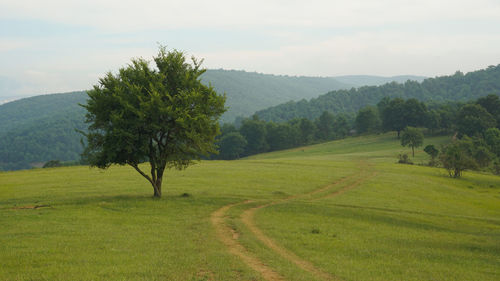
[229, 236]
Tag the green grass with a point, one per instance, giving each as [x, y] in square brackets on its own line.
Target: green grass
[405, 223]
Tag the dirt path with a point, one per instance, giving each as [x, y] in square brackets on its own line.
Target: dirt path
[229, 236]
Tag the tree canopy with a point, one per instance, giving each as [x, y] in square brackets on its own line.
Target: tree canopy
[162, 115]
[412, 137]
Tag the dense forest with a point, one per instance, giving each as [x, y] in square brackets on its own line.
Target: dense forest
[38, 129]
[457, 87]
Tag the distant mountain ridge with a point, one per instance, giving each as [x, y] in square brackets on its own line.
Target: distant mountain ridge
[42, 128]
[457, 87]
[370, 80]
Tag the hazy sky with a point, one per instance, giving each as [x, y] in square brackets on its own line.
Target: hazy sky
[62, 45]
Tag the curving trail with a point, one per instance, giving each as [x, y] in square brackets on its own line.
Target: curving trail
[229, 236]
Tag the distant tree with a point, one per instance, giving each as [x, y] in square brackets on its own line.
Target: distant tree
[414, 113]
[432, 121]
[393, 116]
[231, 146]
[492, 104]
[474, 120]
[162, 115]
[412, 137]
[341, 127]
[254, 131]
[281, 136]
[306, 130]
[456, 158]
[368, 120]
[492, 139]
[324, 124]
[433, 152]
[227, 128]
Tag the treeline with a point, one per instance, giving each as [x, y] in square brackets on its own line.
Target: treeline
[457, 87]
[476, 125]
[257, 136]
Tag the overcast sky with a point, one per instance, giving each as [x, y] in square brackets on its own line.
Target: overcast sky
[62, 45]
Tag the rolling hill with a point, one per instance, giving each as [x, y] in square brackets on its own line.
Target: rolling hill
[42, 128]
[457, 87]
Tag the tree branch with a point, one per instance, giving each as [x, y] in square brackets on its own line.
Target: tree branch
[136, 167]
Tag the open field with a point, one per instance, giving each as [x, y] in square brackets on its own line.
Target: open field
[336, 211]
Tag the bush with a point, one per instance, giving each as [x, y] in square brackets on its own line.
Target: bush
[404, 159]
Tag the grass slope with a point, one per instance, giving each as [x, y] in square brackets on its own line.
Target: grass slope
[390, 222]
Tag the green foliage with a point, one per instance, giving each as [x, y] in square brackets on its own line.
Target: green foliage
[248, 92]
[412, 137]
[433, 152]
[52, 164]
[456, 87]
[492, 138]
[165, 116]
[231, 146]
[368, 120]
[254, 131]
[474, 120]
[398, 114]
[404, 159]
[492, 104]
[38, 141]
[456, 157]
[325, 126]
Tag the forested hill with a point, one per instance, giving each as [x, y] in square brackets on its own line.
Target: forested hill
[21, 112]
[42, 128]
[457, 87]
[248, 92]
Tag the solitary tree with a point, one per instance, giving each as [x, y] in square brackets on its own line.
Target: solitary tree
[456, 158]
[162, 115]
[412, 137]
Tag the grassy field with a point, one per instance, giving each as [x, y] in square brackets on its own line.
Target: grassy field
[336, 211]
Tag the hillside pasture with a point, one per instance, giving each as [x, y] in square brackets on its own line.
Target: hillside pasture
[342, 210]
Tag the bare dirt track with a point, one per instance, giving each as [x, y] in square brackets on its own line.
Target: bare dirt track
[230, 237]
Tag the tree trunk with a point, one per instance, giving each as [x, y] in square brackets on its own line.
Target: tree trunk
[413, 151]
[157, 188]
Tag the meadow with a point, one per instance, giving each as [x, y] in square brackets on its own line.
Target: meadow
[342, 210]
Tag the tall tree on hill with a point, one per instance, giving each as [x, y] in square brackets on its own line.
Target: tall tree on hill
[412, 137]
[393, 116]
[163, 115]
